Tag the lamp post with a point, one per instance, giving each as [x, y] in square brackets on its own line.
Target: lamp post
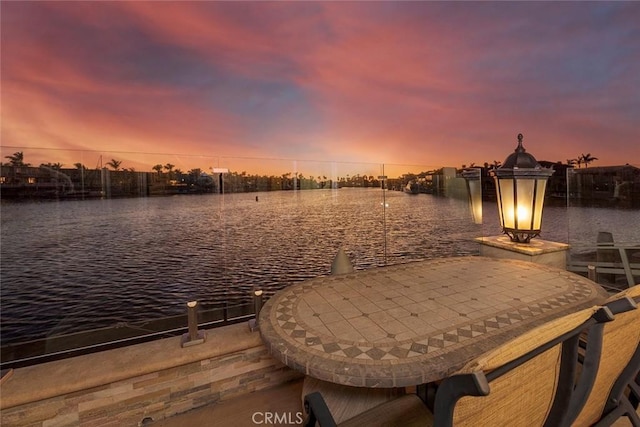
[520, 186]
[473, 180]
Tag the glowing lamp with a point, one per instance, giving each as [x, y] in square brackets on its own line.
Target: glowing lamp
[520, 186]
[474, 189]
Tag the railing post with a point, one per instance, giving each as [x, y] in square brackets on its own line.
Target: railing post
[627, 266]
[254, 324]
[606, 254]
[591, 272]
[194, 336]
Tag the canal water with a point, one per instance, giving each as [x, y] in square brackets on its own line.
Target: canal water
[78, 265]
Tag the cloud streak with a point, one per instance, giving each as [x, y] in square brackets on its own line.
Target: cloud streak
[427, 83]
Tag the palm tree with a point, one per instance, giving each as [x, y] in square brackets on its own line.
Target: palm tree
[115, 164]
[54, 166]
[169, 167]
[571, 162]
[82, 170]
[17, 159]
[286, 177]
[157, 168]
[586, 159]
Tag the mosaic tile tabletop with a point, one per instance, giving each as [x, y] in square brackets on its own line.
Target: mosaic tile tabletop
[414, 323]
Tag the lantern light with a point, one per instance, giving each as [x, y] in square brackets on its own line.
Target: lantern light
[520, 185]
[473, 180]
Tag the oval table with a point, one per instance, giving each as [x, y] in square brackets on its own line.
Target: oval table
[414, 323]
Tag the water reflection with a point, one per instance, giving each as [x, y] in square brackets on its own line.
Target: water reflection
[80, 265]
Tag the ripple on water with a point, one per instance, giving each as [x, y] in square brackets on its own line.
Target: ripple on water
[81, 265]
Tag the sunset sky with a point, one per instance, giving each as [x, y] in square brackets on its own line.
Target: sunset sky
[406, 83]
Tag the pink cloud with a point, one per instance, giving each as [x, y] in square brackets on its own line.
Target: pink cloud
[426, 83]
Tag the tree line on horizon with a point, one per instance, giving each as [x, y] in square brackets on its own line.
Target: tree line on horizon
[583, 159]
[166, 179]
[51, 180]
[169, 171]
[17, 160]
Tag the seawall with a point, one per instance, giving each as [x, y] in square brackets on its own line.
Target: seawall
[149, 381]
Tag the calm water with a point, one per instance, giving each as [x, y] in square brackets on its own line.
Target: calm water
[79, 265]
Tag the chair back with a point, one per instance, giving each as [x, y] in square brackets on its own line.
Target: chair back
[620, 355]
[518, 383]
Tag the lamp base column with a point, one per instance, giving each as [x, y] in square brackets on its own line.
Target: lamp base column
[544, 252]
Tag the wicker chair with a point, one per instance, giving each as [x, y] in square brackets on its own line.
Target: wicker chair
[526, 382]
[615, 389]
[405, 411]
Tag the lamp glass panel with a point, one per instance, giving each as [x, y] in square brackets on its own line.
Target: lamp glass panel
[499, 200]
[476, 200]
[524, 211]
[540, 190]
[506, 203]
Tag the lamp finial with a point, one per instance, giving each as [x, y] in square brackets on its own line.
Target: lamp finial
[520, 148]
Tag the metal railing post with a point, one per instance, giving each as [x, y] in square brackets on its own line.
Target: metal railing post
[254, 324]
[194, 336]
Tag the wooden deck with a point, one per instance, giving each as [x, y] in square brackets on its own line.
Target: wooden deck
[238, 412]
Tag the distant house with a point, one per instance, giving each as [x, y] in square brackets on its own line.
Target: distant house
[593, 186]
[557, 183]
[26, 181]
[605, 185]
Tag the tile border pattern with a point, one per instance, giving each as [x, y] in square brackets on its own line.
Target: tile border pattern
[295, 334]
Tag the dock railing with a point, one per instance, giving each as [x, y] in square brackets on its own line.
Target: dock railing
[615, 264]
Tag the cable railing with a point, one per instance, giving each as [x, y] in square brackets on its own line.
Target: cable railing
[122, 334]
